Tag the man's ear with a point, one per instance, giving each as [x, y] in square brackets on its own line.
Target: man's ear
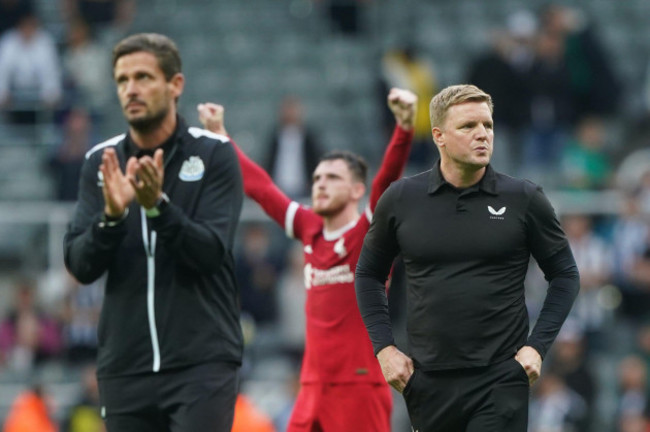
[177, 84]
[358, 190]
[438, 136]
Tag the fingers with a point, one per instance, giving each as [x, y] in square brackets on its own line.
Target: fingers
[401, 380]
[209, 110]
[211, 117]
[396, 367]
[403, 105]
[132, 166]
[146, 177]
[402, 98]
[110, 164]
[533, 373]
[147, 172]
[158, 160]
[532, 366]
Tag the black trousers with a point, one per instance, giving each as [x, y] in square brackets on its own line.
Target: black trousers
[198, 398]
[485, 399]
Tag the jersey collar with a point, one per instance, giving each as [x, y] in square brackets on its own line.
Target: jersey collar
[333, 235]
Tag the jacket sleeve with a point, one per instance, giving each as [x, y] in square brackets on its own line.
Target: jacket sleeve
[203, 241]
[392, 165]
[89, 247]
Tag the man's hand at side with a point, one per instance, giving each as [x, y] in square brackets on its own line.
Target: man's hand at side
[531, 361]
[396, 366]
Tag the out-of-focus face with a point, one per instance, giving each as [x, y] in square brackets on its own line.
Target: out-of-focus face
[145, 95]
[467, 135]
[27, 27]
[291, 112]
[333, 187]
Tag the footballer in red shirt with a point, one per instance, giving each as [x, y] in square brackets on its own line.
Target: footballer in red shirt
[342, 386]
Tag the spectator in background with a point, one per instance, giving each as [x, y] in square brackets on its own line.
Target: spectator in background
[641, 270]
[84, 415]
[551, 105]
[345, 15]
[81, 309]
[68, 157]
[594, 88]
[27, 334]
[593, 258]
[257, 269]
[585, 164]
[87, 69]
[291, 302]
[570, 363]
[644, 194]
[643, 343]
[11, 11]
[633, 392]
[404, 68]
[503, 72]
[629, 240]
[30, 74]
[109, 17]
[30, 413]
[293, 151]
[555, 407]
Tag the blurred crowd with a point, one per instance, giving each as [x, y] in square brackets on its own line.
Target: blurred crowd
[557, 100]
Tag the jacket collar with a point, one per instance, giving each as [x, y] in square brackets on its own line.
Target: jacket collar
[168, 146]
[488, 182]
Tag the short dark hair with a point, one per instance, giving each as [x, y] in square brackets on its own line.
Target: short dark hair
[356, 164]
[165, 50]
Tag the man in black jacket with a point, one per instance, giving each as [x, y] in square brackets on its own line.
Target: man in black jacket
[466, 234]
[157, 210]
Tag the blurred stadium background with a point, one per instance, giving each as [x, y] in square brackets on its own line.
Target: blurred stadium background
[572, 106]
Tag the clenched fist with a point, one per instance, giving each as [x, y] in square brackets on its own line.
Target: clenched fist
[403, 104]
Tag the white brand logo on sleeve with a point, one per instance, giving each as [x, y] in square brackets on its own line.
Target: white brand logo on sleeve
[100, 179]
[192, 169]
[496, 214]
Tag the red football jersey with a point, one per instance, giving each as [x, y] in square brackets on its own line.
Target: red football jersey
[337, 346]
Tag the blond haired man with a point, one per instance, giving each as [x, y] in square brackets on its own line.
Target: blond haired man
[466, 233]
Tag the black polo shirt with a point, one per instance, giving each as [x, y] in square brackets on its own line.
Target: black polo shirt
[466, 253]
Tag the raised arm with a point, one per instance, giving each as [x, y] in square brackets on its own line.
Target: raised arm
[403, 105]
[257, 183]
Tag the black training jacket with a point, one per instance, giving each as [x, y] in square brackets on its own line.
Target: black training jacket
[171, 299]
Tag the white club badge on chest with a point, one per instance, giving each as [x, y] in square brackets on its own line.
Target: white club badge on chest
[192, 169]
[339, 248]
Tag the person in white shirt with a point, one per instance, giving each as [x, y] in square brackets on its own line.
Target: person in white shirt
[30, 73]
